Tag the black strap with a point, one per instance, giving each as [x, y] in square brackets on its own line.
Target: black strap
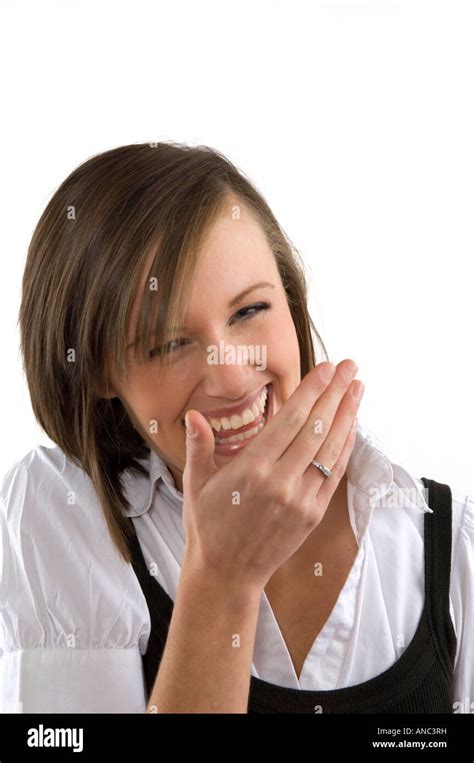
[438, 560]
[160, 606]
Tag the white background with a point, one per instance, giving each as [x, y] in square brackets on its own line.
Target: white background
[355, 120]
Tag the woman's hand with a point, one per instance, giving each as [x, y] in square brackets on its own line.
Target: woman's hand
[245, 519]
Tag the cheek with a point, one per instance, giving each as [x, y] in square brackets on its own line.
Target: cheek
[280, 336]
[154, 401]
[143, 396]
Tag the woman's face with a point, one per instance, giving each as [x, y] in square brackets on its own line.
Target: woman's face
[236, 256]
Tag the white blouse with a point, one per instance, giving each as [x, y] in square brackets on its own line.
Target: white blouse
[74, 621]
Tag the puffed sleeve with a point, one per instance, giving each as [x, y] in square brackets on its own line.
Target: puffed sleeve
[73, 619]
[462, 598]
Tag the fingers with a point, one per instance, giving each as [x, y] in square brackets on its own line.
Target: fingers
[321, 428]
[200, 444]
[288, 422]
[333, 445]
[314, 481]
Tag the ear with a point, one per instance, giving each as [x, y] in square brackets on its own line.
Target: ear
[107, 391]
[107, 396]
[105, 383]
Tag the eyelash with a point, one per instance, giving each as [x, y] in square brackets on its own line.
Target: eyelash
[258, 307]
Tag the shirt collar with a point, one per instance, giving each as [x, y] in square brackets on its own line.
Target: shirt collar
[140, 491]
[372, 479]
[375, 480]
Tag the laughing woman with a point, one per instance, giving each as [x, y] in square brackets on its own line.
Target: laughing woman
[210, 535]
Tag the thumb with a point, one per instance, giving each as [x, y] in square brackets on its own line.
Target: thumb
[200, 444]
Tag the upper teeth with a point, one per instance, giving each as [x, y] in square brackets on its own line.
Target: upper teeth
[240, 420]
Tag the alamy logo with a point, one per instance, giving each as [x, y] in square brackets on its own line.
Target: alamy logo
[46, 737]
[240, 354]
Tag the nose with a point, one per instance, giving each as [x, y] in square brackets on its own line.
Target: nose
[229, 383]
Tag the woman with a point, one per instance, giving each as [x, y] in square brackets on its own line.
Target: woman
[212, 531]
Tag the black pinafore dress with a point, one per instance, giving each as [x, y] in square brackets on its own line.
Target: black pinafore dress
[420, 681]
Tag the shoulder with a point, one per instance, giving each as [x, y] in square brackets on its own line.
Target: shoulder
[46, 474]
[60, 572]
[49, 504]
[462, 508]
[462, 539]
[404, 530]
[461, 593]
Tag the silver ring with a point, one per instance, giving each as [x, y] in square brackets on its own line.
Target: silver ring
[327, 472]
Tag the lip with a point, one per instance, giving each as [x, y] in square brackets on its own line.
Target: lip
[218, 413]
[229, 449]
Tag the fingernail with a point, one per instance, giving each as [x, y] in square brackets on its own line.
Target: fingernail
[350, 370]
[357, 390]
[327, 372]
[190, 431]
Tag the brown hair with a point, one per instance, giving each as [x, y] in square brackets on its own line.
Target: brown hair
[85, 259]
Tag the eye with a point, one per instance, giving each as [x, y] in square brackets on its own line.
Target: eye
[245, 314]
[241, 315]
[167, 348]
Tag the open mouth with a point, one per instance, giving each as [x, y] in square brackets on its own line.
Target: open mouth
[235, 437]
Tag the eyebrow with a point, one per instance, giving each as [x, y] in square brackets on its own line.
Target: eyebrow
[259, 285]
[234, 301]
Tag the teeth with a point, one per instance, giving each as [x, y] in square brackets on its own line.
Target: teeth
[247, 416]
[240, 420]
[235, 421]
[242, 435]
